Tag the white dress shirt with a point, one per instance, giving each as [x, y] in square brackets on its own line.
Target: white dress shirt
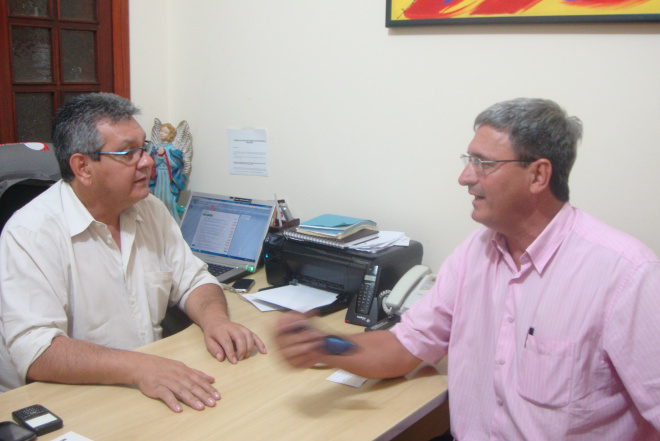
[61, 273]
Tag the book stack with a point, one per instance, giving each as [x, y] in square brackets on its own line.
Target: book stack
[334, 230]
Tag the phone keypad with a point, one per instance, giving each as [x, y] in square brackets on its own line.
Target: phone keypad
[38, 418]
[30, 411]
[365, 298]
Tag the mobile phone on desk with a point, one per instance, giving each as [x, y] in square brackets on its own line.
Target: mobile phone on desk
[10, 431]
[243, 285]
[37, 418]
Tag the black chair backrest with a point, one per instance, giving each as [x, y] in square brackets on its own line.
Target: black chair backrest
[26, 170]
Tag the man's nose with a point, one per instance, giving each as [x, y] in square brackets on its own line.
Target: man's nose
[468, 176]
[145, 160]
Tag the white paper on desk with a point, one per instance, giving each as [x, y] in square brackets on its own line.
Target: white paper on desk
[248, 152]
[259, 304]
[72, 436]
[299, 298]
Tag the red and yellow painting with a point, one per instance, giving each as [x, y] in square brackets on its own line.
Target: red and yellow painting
[420, 12]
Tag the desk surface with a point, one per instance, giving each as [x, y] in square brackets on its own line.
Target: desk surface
[262, 398]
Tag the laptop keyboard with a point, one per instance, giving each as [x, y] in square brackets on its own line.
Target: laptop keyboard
[216, 270]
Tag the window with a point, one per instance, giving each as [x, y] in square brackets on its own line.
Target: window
[51, 50]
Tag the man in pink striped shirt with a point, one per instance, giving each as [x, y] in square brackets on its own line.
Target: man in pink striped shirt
[550, 318]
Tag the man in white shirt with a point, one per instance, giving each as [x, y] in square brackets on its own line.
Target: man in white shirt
[89, 267]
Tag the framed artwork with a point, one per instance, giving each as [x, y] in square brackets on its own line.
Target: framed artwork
[448, 12]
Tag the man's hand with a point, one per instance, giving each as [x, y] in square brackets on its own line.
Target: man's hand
[380, 353]
[299, 343]
[173, 382]
[73, 361]
[207, 307]
[226, 339]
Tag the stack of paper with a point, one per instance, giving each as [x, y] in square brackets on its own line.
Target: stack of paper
[299, 298]
[385, 239]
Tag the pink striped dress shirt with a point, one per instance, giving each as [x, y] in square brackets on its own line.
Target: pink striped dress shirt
[565, 348]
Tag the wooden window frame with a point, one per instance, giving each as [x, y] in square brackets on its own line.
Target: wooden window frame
[121, 65]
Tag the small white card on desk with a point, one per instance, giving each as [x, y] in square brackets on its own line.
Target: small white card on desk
[71, 436]
[343, 377]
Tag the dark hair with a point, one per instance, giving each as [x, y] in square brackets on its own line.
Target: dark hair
[538, 128]
[75, 129]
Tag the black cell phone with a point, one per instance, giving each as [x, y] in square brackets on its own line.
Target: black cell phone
[243, 285]
[10, 431]
[37, 418]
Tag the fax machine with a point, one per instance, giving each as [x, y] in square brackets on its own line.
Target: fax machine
[356, 276]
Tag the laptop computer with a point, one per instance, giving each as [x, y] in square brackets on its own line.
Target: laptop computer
[226, 232]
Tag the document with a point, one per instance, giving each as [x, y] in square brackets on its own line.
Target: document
[384, 240]
[299, 298]
[248, 152]
[260, 305]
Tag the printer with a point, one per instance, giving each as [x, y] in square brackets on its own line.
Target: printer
[357, 277]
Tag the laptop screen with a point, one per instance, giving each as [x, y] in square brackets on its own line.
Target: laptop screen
[220, 226]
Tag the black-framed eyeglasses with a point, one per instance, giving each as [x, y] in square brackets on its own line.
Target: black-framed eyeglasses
[128, 157]
[482, 165]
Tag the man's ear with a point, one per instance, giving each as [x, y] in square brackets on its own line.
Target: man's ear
[80, 164]
[541, 171]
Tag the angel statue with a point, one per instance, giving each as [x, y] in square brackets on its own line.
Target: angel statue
[172, 156]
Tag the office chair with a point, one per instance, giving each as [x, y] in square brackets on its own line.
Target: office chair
[26, 170]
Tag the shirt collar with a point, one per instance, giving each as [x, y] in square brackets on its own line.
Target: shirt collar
[79, 218]
[547, 243]
[76, 214]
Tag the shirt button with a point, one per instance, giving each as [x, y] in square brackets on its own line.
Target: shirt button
[510, 319]
[499, 402]
[500, 361]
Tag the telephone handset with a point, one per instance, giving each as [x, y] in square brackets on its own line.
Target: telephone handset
[411, 287]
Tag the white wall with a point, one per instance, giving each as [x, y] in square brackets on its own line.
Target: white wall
[369, 122]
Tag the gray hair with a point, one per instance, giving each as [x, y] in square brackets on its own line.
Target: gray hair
[76, 126]
[538, 128]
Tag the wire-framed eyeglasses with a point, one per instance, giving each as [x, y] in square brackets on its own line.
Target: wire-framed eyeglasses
[128, 157]
[482, 165]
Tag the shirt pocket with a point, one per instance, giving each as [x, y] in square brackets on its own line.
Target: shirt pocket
[545, 372]
[158, 285]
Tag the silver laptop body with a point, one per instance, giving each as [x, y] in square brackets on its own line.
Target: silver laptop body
[227, 231]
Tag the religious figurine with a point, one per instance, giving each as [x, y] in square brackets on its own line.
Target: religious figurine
[171, 151]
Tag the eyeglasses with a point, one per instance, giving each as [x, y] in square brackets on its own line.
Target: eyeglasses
[128, 157]
[481, 166]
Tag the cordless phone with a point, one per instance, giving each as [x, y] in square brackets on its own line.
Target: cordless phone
[363, 309]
